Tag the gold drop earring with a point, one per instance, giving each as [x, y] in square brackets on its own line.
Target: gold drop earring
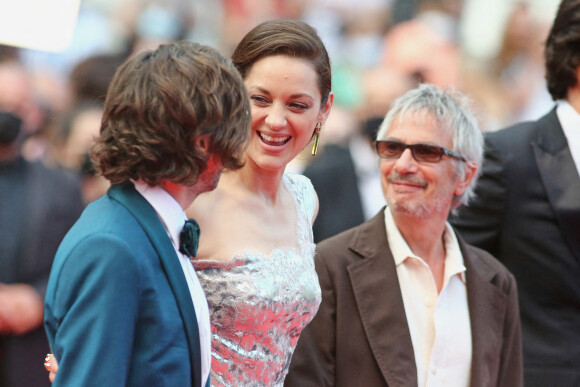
[316, 137]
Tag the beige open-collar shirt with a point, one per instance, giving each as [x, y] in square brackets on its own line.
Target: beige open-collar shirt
[439, 324]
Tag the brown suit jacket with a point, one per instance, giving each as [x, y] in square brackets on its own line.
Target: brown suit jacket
[360, 335]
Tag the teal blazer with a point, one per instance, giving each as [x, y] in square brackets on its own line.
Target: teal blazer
[118, 311]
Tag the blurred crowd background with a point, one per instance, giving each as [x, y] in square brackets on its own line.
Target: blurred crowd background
[491, 49]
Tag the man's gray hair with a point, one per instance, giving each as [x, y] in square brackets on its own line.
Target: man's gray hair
[451, 110]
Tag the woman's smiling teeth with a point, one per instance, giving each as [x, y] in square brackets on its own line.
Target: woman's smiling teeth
[274, 141]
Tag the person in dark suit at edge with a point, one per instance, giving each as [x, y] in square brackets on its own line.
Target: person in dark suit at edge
[38, 205]
[526, 212]
[405, 301]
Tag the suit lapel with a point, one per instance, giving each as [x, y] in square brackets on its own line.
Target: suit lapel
[559, 176]
[376, 276]
[146, 216]
[487, 308]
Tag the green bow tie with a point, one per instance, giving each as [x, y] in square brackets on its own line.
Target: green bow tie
[189, 238]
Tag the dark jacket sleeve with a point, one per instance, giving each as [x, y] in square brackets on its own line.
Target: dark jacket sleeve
[92, 306]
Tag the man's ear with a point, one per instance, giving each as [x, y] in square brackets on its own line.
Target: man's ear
[202, 142]
[469, 174]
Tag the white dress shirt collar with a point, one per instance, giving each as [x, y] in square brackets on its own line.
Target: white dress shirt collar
[401, 251]
[167, 208]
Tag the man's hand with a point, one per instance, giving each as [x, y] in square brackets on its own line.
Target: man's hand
[51, 366]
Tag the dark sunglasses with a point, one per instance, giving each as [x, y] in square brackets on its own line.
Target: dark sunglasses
[387, 149]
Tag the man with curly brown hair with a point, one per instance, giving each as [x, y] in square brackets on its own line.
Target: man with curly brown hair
[124, 305]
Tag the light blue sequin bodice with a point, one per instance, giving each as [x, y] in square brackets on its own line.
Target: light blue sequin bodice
[260, 304]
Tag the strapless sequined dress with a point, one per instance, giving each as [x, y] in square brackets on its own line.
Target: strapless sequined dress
[260, 304]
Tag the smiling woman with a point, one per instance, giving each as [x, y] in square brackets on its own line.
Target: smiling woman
[255, 259]
[285, 108]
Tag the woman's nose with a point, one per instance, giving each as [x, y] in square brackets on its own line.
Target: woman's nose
[276, 117]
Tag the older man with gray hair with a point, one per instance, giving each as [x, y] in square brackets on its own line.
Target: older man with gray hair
[405, 301]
